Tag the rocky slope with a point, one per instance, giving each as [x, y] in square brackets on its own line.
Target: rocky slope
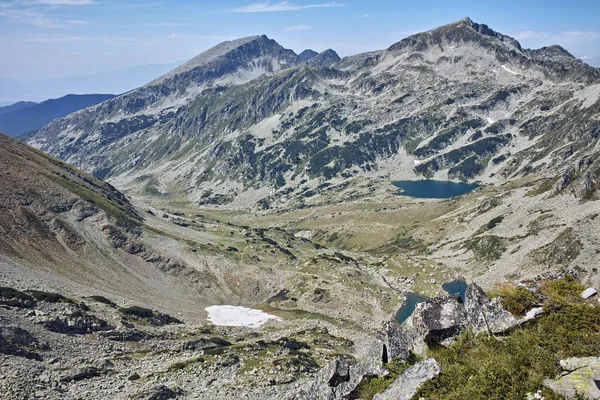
[248, 124]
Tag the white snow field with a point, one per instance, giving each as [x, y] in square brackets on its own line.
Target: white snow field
[238, 316]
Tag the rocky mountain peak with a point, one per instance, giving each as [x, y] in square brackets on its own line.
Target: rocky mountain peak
[307, 54]
[326, 57]
[242, 50]
[463, 31]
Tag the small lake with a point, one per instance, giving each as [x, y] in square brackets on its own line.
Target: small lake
[432, 189]
[457, 286]
[412, 299]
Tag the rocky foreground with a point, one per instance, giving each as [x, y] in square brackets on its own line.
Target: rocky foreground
[57, 347]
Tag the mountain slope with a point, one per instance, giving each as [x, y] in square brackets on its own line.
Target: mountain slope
[459, 102]
[30, 118]
[21, 105]
[307, 54]
[65, 230]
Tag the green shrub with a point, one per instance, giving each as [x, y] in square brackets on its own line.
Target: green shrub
[565, 289]
[516, 300]
[138, 312]
[10, 293]
[494, 222]
[102, 299]
[49, 297]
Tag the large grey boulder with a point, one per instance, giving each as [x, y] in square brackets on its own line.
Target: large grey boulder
[485, 314]
[407, 384]
[581, 376]
[440, 318]
[402, 340]
[341, 377]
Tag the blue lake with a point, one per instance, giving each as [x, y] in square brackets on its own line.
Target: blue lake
[457, 286]
[431, 189]
[412, 299]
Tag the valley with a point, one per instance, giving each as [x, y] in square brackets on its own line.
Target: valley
[232, 228]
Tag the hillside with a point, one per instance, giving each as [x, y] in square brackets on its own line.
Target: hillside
[25, 117]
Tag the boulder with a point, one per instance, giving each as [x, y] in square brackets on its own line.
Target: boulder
[16, 341]
[402, 340]
[587, 293]
[440, 318]
[75, 321]
[407, 384]
[81, 374]
[485, 314]
[581, 376]
[341, 377]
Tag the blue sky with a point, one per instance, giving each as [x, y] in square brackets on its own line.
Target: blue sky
[41, 39]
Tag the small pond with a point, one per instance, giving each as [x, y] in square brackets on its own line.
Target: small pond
[412, 299]
[432, 189]
[457, 286]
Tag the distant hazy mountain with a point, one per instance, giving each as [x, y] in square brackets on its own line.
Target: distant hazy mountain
[21, 105]
[26, 117]
[117, 81]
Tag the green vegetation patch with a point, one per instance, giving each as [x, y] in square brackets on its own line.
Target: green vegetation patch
[543, 188]
[564, 249]
[489, 247]
[183, 364]
[515, 299]
[485, 367]
[102, 299]
[49, 297]
[145, 315]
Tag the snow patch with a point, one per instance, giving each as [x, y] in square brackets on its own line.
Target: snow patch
[238, 316]
[508, 70]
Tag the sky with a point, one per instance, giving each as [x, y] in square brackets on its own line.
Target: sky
[44, 39]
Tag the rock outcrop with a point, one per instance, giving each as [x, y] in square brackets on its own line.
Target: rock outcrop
[407, 384]
[581, 377]
[436, 321]
[342, 376]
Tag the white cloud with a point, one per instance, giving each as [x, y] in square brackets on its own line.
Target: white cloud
[365, 15]
[292, 28]
[77, 22]
[283, 6]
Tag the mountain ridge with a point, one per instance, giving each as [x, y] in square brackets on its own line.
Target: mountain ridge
[238, 97]
[32, 117]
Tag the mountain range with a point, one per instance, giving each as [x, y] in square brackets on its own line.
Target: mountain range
[25, 117]
[243, 123]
